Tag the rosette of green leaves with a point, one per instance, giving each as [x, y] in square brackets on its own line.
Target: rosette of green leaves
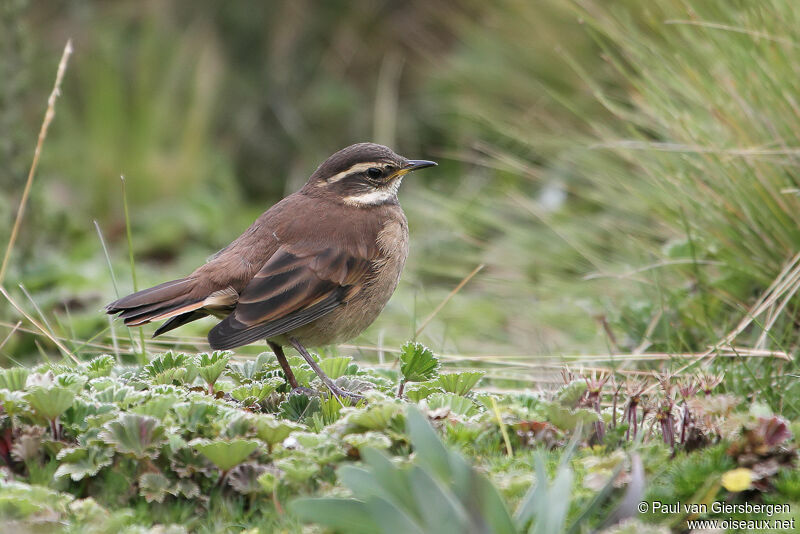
[170, 368]
[211, 366]
[256, 391]
[100, 366]
[417, 364]
[134, 434]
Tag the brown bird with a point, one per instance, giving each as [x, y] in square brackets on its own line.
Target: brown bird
[315, 269]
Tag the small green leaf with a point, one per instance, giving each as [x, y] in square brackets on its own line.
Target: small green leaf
[154, 487]
[254, 392]
[271, 430]
[13, 378]
[50, 402]
[459, 383]
[335, 367]
[298, 469]
[211, 366]
[225, 454]
[169, 368]
[375, 417]
[100, 366]
[418, 363]
[79, 462]
[134, 434]
[421, 390]
[455, 403]
[299, 407]
[244, 478]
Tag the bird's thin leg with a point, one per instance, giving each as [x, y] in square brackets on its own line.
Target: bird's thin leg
[278, 350]
[336, 390]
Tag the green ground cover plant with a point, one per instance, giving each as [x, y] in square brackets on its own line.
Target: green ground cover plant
[101, 446]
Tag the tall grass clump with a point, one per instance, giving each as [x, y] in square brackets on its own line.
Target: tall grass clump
[707, 130]
[680, 190]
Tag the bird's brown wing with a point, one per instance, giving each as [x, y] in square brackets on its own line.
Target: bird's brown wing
[294, 288]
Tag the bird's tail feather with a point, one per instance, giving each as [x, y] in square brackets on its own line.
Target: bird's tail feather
[159, 302]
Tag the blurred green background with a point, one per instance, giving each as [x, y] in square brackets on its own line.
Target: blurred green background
[626, 171]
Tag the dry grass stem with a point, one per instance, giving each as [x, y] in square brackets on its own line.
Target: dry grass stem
[43, 330]
[48, 118]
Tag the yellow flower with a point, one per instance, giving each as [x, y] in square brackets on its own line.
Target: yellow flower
[737, 479]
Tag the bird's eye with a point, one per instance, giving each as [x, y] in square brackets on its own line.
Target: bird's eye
[374, 172]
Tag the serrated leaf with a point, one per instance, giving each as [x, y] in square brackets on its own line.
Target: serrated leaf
[421, 390]
[299, 407]
[81, 462]
[418, 363]
[192, 415]
[459, 383]
[50, 402]
[244, 478]
[211, 366]
[71, 381]
[375, 417]
[568, 395]
[14, 378]
[297, 469]
[135, 434]
[225, 454]
[455, 403]
[335, 367]
[271, 430]
[154, 487]
[100, 366]
[255, 391]
[169, 368]
[187, 488]
[156, 406]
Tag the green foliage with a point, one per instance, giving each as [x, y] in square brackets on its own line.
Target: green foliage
[225, 454]
[254, 392]
[271, 430]
[134, 434]
[100, 366]
[418, 363]
[336, 367]
[82, 462]
[439, 492]
[459, 383]
[50, 402]
[13, 378]
[211, 366]
[169, 368]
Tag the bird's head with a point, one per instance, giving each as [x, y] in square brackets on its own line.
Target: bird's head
[364, 174]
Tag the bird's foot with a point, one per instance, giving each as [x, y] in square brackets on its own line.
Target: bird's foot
[308, 392]
[340, 393]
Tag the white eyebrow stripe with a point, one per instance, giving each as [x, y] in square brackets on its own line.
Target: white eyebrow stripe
[358, 167]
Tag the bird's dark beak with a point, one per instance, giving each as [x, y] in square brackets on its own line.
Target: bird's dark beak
[415, 164]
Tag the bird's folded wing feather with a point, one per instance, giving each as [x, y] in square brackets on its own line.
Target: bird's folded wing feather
[292, 289]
